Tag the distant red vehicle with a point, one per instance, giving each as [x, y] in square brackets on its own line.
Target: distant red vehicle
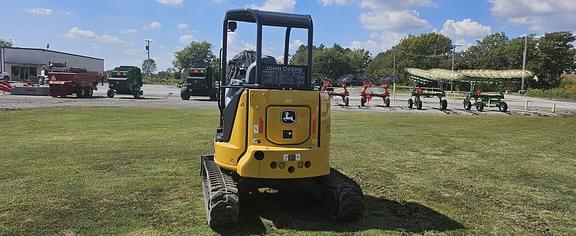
[73, 81]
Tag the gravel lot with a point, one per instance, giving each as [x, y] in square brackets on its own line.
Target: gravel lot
[154, 96]
[165, 96]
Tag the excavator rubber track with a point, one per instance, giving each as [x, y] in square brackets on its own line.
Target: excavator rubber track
[342, 197]
[220, 194]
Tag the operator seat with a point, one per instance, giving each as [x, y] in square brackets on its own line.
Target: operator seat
[251, 74]
[250, 77]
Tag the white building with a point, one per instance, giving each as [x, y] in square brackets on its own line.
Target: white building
[24, 64]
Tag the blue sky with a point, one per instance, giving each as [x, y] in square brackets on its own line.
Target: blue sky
[115, 30]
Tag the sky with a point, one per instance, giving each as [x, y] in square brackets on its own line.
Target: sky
[115, 30]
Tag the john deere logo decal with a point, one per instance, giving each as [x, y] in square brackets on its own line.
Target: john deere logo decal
[288, 117]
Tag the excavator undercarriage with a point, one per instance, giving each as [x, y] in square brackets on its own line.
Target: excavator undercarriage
[341, 197]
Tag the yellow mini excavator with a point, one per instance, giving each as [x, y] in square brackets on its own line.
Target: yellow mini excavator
[274, 128]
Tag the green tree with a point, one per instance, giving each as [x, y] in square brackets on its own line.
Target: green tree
[555, 56]
[488, 53]
[148, 67]
[430, 50]
[358, 59]
[331, 62]
[573, 51]
[335, 61]
[5, 43]
[196, 54]
[515, 49]
[514, 52]
[300, 57]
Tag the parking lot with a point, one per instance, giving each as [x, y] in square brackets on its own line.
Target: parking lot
[167, 96]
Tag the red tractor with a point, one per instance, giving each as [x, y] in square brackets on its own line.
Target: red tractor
[327, 86]
[366, 96]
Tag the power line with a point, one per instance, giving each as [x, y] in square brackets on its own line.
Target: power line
[420, 55]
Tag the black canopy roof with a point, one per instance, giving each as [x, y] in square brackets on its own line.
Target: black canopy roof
[270, 18]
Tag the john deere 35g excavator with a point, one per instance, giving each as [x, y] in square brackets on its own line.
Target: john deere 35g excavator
[274, 129]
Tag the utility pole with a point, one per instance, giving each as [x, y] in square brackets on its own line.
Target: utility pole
[524, 61]
[2, 60]
[394, 65]
[454, 54]
[148, 47]
[394, 76]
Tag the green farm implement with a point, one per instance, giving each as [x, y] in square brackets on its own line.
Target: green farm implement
[430, 83]
[481, 80]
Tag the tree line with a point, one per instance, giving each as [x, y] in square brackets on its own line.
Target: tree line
[548, 56]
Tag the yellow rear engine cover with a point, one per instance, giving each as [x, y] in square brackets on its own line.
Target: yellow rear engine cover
[287, 125]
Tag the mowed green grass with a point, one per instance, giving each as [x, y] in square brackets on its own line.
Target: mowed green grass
[136, 171]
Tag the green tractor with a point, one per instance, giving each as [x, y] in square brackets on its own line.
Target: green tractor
[125, 80]
[201, 82]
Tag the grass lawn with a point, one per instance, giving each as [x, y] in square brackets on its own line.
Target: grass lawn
[136, 171]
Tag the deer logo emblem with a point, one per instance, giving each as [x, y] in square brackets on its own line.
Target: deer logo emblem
[288, 117]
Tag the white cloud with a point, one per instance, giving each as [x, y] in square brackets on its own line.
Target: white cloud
[393, 4]
[379, 42]
[391, 15]
[393, 20]
[294, 45]
[129, 31]
[186, 39]
[276, 5]
[538, 15]
[171, 2]
[76, 32]
[109, 39]
[40, 11]
[465, 29]
[333, 2]
[155, 25]
[182, 26]
[518, 8]
[388, 21]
